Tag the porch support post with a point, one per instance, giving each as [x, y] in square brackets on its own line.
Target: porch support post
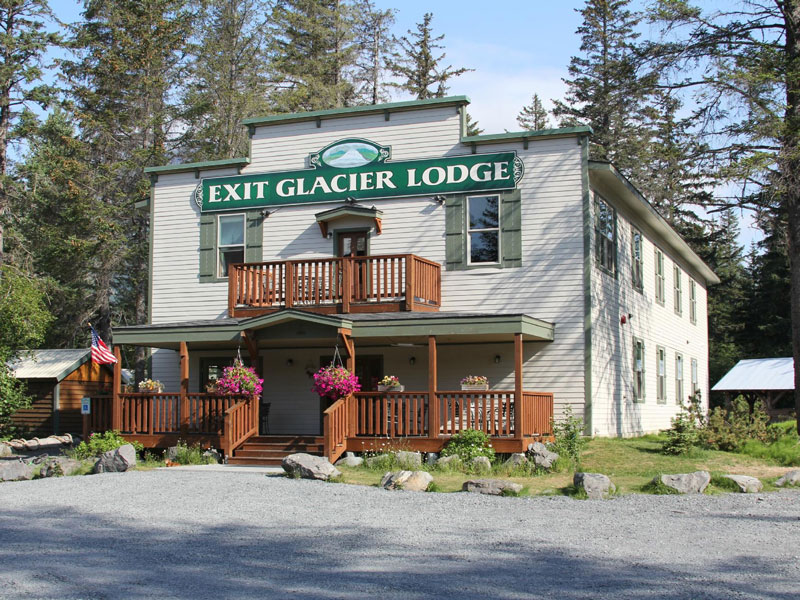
[518, 360]
[116, 388]
[409, 305]
[184, 349]
[347, 283]
[350, 347]
[251, 341]
[433, 384]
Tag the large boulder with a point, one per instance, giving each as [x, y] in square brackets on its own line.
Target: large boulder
[308, 466]
[116, 461]
[596, 485]
[493, 487]
[790, 478]
[410, 481]
[15, 470]
[686, 483]
[409, 460]
[541, 456]
[448, 461]
[481, 464]
[350, 460]
[516, 460]
[747, 484]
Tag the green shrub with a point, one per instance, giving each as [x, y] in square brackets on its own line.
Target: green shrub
[657, 487]
[191, 455]
[469, 444]
[383, 461]
[728, 430]
[569, 439]
[684, 435]
[98, 443]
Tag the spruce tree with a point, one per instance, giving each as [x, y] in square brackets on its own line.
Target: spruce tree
[415, 64]
[533, 117]
[227, 79]
[375, 44]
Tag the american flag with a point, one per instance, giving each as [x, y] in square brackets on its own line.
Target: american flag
[100, 352]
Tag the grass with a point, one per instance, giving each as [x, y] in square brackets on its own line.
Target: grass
[630, 463]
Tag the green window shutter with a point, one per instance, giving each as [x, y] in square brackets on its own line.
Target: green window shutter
[254, 236]
[455, 239]
[208, 248]
[511, 229]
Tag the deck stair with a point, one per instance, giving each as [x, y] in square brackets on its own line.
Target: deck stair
[270, 450]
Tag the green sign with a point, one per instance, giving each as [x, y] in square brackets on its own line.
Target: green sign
[356, 168]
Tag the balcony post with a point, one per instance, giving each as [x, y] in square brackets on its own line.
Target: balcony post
[184, 350]
[347, 284]
[433, 383]
[288, 289]
[409, 305]
[233, 284]
[518, 395]
[116, 385]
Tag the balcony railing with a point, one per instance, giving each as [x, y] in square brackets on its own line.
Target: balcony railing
[378, 283]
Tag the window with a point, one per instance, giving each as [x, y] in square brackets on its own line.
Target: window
[676, 279]
[483, 229]
[638, 370]
[637, 265]
[230, 242]
[693, 302]
[659, 277]
[695, 383]
[678, 379]
[605, 234]
[661, 371]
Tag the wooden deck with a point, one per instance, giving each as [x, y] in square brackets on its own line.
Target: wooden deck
[380, 283]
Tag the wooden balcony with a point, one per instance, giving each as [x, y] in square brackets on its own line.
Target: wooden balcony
[380, 283]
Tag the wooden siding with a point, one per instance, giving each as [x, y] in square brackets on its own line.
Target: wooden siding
[613, 410]
[37, 420]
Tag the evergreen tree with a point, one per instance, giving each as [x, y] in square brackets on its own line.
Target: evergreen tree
[25, 42]
[533, 117]
[472, 126]
[227, 80]
[375, 45]
[419, 71]
[313, 51]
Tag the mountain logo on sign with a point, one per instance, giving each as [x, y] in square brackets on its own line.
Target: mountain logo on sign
[348, 154]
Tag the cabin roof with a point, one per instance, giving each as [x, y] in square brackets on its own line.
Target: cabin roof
[758, 374]
[49, 364]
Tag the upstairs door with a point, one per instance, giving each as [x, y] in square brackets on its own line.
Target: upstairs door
[352, 244]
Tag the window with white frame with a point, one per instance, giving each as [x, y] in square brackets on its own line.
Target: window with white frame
[692, 302]
[659, 268]
[677, 282]
[638, 370]
[661, 372]
[605, 235]
[483, 229]
[678, 378]
[230, 242]
[695, 382]
[637, 260]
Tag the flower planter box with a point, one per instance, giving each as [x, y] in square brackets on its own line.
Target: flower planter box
[475, 387]
[391, 388]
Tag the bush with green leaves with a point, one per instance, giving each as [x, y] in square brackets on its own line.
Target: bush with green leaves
[191, 455]
[469, 444]
[728, 430]
[98, 443]
[684, 435]
[569, 439]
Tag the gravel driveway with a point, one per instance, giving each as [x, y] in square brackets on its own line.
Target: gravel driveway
[173, 534]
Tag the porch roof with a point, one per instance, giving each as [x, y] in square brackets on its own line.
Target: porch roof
[292, 327]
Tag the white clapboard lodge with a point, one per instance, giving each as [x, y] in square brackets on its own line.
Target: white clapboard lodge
[387, 236]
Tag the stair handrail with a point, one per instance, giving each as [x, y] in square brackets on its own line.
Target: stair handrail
[335, 427]
[241, 423]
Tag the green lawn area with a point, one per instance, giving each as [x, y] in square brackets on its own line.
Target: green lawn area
[630, 463]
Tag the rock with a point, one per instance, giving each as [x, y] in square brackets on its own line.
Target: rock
[15, 470]
[378, 459]
[686, 483]
[307, 466]
[410, 481]
[409, 459]
[5, 449]
[493, 487]
[212, 453]
[350, 460]
[542, 457]
[596, 485]
[67, 465]
[516, 460]
[747, 484]
[481, 463]
[451, 461]
[116, 461]
[790, 478]
[431, 458]
[50, 468]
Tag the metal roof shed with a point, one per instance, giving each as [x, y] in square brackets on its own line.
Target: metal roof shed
[771, 379]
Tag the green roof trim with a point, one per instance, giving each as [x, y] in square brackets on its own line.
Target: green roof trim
[348, 211]
[197, 166]
[524, 135]
[75, 366]
[457, 325]
[368, 109]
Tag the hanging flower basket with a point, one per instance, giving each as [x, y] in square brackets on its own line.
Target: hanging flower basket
[237, 380]
[333, 383]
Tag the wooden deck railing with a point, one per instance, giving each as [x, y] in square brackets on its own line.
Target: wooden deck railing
[337, 426]
[490, 412]
[240, 423]
[391, 282]
[152, 414]
[99, 419]
[537, 417]
[392, 414]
